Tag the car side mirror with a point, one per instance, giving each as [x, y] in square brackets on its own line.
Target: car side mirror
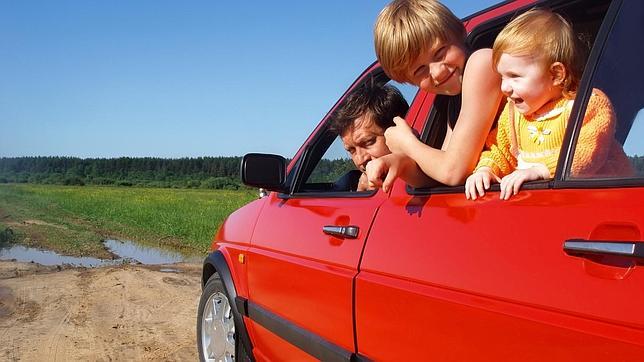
[264, 171]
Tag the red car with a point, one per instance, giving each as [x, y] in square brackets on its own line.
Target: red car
[317, 271]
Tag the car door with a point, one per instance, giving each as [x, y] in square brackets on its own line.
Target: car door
[552, 274]
[301, 264]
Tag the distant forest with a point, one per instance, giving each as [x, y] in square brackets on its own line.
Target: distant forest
[201, 172]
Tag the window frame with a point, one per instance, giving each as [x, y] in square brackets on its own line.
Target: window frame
[563, 179]
[315, 149]
[574, 123]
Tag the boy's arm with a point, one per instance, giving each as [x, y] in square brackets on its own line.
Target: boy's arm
[595, 137]
[481, 96]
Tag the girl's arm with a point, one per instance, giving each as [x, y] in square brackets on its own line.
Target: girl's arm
[481, 96]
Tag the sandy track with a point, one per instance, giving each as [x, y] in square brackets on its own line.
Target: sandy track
[119, 313]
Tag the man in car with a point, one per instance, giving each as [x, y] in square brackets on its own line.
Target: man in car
[361, 121]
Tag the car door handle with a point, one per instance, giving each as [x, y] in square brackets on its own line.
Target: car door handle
[349, 232]
[632, 249]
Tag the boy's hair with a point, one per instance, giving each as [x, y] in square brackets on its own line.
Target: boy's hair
[548, 36]
[405, 28]
[381, 102]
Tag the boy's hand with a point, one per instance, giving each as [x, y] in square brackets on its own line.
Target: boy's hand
[383, 171]
[511, 183]
[479, 181]
[398, 136]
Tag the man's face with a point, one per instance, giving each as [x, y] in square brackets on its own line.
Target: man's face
[365, 141]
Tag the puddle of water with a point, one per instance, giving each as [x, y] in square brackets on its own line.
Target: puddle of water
[142, 253]
[46, 257]
[127, 251]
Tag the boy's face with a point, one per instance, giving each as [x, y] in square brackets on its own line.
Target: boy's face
[527, 82]
[365, 141]
[439, 69]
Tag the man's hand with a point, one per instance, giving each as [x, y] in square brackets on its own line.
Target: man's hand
[511, 183]
[383, 171]
[363, 183]
[479, 181]
[400, 135]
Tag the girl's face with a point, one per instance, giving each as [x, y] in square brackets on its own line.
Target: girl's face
[527, 82]
[439, 69]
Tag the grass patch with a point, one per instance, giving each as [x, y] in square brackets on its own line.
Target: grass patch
[73, 220]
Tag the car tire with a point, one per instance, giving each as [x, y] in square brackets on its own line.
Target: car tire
[217, 339]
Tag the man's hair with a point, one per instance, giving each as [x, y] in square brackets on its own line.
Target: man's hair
[549, 38]
[406, 28]
[381, 103]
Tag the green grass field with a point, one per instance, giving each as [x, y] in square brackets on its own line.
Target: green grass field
[74, 219]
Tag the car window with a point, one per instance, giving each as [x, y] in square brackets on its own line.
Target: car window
[328, 166]
[334, 171]
[408, 90]
[586, 22]
[619, 75]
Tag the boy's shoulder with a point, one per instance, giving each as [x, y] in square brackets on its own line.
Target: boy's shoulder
[480, 59]
[481, 55]
[480, 68]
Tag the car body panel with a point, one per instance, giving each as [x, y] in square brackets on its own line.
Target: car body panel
[495, 278]
[233, 239]
[303, 275]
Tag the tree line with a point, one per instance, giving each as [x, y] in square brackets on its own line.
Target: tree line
[200, 172]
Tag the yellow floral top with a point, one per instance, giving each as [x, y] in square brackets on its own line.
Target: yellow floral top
[537, 140]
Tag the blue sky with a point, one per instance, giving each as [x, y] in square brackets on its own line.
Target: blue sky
[177, 78]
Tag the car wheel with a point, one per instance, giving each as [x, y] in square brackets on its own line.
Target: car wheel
[216, 337]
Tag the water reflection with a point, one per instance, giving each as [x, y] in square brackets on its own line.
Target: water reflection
[127, 252]
[46, 257]
[142, 253]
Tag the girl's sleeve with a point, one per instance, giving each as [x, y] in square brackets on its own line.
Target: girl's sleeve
[595, 137]
[496, 154]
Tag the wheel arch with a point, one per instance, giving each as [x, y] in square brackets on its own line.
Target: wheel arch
[215, 263]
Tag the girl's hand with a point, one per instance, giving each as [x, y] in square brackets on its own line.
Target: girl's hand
[398, 136]
[479, 181]
[511, 183]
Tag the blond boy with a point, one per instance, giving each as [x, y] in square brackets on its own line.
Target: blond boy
[421, 42]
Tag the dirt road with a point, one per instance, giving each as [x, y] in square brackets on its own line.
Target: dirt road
[117, 313]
